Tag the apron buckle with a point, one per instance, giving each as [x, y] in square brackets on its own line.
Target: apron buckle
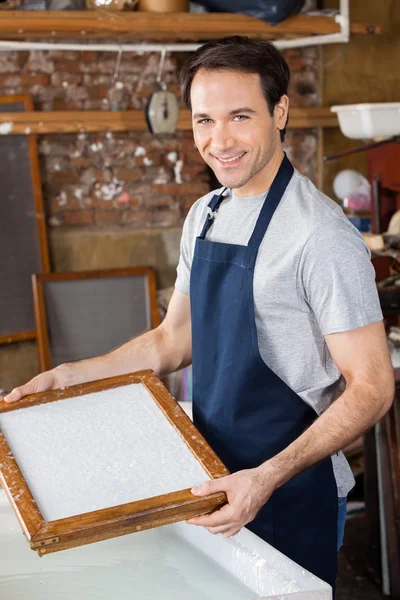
[211, 213]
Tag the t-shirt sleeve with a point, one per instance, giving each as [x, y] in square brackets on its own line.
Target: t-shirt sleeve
[182, 283]
[337, 279]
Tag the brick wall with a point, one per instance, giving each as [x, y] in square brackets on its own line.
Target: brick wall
[128, 179]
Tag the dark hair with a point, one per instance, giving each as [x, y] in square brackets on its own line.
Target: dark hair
[244, 54]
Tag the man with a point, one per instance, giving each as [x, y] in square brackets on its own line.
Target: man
[275, 304]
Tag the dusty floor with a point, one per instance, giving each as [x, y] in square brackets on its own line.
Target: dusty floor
[353, 583]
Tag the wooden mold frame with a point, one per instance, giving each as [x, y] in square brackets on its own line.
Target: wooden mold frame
[53, 536]
[39, 282]
[26, 100]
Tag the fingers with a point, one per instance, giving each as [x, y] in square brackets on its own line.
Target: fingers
[17, 394]
[212, 486]
[215, 519]
[220, 529]
[40, 383]
[225, 531]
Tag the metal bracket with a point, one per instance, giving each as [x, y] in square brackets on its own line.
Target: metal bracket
[48, 542]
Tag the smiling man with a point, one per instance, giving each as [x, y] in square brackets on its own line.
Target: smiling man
[275, 306]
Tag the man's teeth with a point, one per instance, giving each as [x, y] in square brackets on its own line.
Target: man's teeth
[231, 159]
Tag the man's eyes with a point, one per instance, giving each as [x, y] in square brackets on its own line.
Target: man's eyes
[236, 118]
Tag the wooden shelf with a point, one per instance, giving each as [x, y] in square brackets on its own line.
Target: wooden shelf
[140, 25]
[36, 122]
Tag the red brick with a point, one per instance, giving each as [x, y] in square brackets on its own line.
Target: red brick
[57, 164]
[56, 221]
[158, 217]
[95, 105]
[166, 217]
[126, 199]
[134, 174]
[23, 79]
[51, 145]
[107, 217]
[22, 58]
[141, 189]
[146, 90]
[58, 78]
[89, 56]
[97, 79]
[136, 217]
[187, 143]
[39, 61]
[64, 55]
[97, 92]
[193, 157]
[303, 63]
[75, 198]
[178, 189]
[156, 202]
[105, 196]
[153, 155]
[67, 66]
[194, 172]
[63, 104]
[62, 177]
[100, 66]
[81, 162]
[101, 204]
[79, 217]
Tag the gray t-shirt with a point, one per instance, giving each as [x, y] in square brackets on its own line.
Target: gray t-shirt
[313, 277]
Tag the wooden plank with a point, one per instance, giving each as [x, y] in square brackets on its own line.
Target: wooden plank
[35, 189]
[18, 337]
[128, 518]
[365, 29]
[393, 542]
[131, 120]
[371, 495]
[18, 492]
[143, 25]
[52, 536]
[43, 329]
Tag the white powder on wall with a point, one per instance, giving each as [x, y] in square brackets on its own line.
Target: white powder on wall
[6, 128]
[98, 450]
[62, 198]
[178, 170]
[172, 156]
[110, 190]
[96, 147]
[140, 151]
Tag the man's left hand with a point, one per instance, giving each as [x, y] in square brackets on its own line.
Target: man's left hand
[247, 491]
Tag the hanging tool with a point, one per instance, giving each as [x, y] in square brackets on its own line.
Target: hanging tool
[162, 109]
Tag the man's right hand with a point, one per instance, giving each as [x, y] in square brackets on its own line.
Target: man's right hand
[49, 380]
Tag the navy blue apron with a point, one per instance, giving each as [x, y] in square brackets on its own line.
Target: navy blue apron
[244, 410]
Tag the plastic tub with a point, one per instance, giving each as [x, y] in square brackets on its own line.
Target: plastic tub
[368, 121]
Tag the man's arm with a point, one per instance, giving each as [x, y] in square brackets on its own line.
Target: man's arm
[164, 349]
[362, 356]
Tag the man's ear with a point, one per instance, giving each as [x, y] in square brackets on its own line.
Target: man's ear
[281, 112]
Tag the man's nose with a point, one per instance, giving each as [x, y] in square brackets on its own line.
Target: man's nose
[222, 140]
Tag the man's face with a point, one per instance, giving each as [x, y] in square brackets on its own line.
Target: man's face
[233, 130]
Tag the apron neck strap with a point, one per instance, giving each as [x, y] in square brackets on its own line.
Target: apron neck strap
[271, 201]
[213, 207]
